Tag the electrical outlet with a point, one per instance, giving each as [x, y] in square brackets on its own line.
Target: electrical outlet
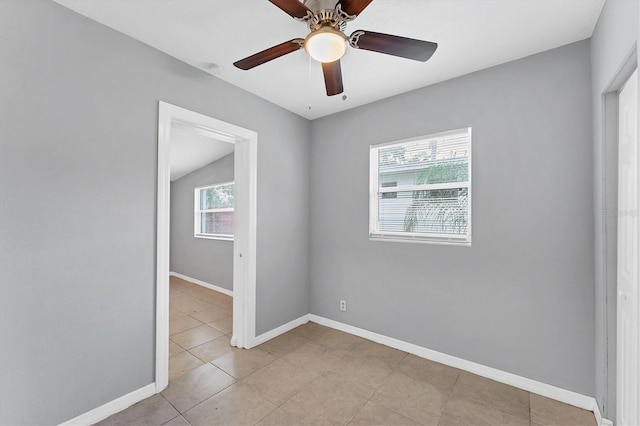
[343, 305]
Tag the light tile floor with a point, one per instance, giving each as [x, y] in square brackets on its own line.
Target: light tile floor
[315, 375]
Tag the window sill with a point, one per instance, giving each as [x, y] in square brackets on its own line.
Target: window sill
[463, 242]
[214, 237]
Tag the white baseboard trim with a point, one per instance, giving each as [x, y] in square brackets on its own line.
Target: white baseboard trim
[549, 391]
[112, 407]
[280, 330]
[202, 283]
[599, 419]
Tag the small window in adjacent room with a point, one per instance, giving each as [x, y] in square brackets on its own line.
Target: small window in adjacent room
[420, 189]
[214, 211]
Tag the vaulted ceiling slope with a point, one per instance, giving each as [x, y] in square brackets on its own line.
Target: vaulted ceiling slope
[471, 34]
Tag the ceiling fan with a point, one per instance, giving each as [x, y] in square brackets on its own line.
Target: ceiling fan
[327, 43]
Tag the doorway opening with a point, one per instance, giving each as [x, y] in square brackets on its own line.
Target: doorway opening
[170, 120]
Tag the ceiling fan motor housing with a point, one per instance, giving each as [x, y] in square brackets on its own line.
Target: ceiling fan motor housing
[326, 13]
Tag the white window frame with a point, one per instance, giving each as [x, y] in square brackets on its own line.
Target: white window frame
[197, 225]
[414, 237]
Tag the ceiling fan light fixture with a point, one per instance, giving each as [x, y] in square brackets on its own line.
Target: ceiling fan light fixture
[326, 45]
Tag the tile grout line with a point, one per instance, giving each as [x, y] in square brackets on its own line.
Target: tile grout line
[208, 398]
[358, 411]
[174, 407]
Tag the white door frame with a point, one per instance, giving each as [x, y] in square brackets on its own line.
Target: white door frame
[628, 294]
[244, 247]
[608, 167]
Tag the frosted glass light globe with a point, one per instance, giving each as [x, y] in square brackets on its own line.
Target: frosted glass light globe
[326, 45]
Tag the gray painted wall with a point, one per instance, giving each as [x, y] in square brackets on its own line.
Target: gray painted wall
[78, 160]
[80, 131]
[612, 42]
[207, 260]
[521, 298]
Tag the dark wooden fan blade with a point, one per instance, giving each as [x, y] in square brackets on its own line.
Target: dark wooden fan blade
[269, 54]
[354, 7]
[332, 77]
[409, 48]
[292, 7]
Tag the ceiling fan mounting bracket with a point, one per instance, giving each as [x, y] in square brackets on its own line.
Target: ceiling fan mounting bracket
[307, 18]
[354, 38]
[344, 15]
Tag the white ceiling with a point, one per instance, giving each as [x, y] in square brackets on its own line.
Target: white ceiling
[191, 149]
[472, 35]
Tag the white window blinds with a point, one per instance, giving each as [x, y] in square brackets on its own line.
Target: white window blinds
[421, 189]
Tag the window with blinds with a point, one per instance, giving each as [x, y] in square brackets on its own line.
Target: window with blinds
[421, 189]
[214, 211]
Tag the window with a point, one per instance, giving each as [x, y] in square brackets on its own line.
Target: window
[420, 189]
[214, 210]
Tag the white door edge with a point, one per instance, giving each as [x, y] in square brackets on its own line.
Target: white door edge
[628, 285]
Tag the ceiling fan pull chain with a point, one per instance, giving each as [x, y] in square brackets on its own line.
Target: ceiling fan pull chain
[309, 82]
